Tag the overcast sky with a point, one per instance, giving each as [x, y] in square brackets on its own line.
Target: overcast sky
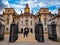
[34, 5]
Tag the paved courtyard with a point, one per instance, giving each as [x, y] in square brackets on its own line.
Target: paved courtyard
[30, 40]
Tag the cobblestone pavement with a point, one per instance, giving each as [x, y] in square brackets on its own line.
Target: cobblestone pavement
[27, 41]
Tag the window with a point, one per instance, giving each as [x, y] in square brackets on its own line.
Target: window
[7, 29]
[31, 22]
[21, 17]
[21, 23]
[8, 10]
[44, 10]
[26, 22]
[45, 19]
[31, 17]
[8, 19]
[45, 29]
[26, 17]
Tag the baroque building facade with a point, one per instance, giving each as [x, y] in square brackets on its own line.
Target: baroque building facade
[56, 19]
[26, 20]
[8, 17]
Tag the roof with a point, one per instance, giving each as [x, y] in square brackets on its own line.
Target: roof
[2, 19]
[56, 16]
[1, 15]
[44, 8]
[27, 14]
[51, 15]
[9, 8]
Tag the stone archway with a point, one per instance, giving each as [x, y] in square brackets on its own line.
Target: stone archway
[26, 29]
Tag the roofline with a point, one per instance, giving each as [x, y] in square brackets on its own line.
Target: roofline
[54, 17]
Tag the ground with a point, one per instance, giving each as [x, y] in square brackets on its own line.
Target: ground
[30, 40]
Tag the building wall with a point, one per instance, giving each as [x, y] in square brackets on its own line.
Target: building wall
[44, 12]
[2, 22]
[10, 21]
[57, 21]
[17, 21]
[8, 16]
[23, 24]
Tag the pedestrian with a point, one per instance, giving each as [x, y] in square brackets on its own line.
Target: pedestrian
[26, 33]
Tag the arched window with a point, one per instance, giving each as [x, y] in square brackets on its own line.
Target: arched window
[44, 10]
[31, 30]
[31, 17]
[8, 10]
[7, 29]
[45, 20]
